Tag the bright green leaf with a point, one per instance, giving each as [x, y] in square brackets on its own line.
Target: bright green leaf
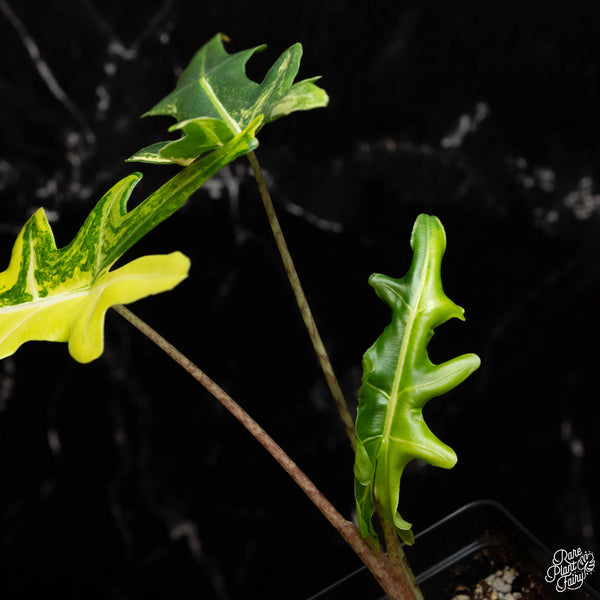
[399, 379]
[62, 294]
[215, 88]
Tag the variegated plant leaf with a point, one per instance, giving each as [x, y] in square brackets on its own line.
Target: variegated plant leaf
[59, 295]
[399, 379]
[214, 99]
[199, 136]
[53, 294]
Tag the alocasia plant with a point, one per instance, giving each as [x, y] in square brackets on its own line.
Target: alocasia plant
[62, 294]
[399, 379]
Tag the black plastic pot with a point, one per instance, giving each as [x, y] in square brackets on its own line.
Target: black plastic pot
[462, 549]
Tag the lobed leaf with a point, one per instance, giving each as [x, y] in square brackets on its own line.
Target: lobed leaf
[63, 294]
[399, 379]
[215, 97]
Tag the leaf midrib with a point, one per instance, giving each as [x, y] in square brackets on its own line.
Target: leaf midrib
[42, 302]
[212, 96]
[389, 417]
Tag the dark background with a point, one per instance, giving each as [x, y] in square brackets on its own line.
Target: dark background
[123, 479]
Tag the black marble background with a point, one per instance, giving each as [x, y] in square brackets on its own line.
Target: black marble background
[123, 479]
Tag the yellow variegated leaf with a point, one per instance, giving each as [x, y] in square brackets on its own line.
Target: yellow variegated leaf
[62, 295]
[67, 303]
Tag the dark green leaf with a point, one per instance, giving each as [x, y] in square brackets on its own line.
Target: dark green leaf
[216, 95]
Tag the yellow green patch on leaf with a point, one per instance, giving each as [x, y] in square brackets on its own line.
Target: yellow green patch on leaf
[49, 294]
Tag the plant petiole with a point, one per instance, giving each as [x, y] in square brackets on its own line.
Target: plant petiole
[392, 581]
[307, 317]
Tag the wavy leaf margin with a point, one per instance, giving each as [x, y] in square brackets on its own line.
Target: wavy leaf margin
[399, 379]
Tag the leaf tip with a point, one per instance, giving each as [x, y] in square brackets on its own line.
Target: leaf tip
[475, 362]
[426, 226]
